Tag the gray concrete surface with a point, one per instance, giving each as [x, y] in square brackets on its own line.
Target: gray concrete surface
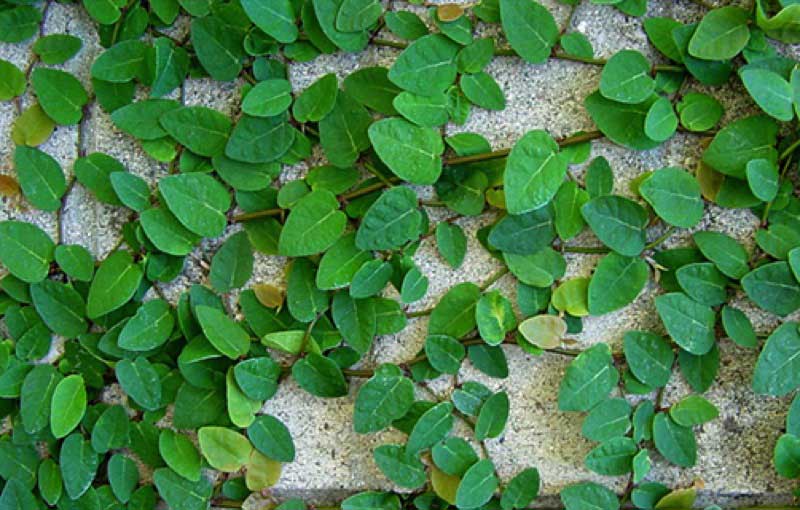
[333, 461]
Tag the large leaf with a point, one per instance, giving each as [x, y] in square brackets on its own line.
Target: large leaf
[114, 284]
[275, 18]
[621, 123]
[412, 152]
[40, 177]
[68, 405]
[60, 95]
[426, 66]
[218, 46]
[202, 130]
[618, 222]
[384, 398]
[741, 141]
[721, 34]
[773, 287]
[675, 196]
[626, 78]
[343, 132]
[25, 250]
[225, 335]
[313, 225]
[198, 201]
[688, 322]
[588, 380]
[477, 485]
[776, 371]
[616, 282]
[534, 172]
[391, 221]
[530, 28]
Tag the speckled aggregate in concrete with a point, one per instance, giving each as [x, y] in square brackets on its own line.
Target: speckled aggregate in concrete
[332, 460]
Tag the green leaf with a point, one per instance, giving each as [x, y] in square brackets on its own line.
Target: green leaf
[445, 353]
[626, 78]
[260, 139]
[699, 112]
[123, 475]
[621, 123]
[343, 132]
[201, 130]
[111, 430]
[370, 279]
[741, 141]
[588, 380]
[385, 397]
[139, 379]
[787, 456]
[40, 177]
[271, 437]
[412, 152]
[571, 296]
[690, 324]
[649, 357]
[180, 454]
[56, 48]
[675, 196]
[523, 234]
[371, 87]
[198, 201]
[131, 189]
[16, 496]
[773, 287]
[414, 286]
[430, 428]
[482, 90]
[575, 43]
[94, 172]
[275, 18]
[356, 15]
[762, 177]
[703, 282]
[314, 224]
[225, 335]
[588, 496]
[452, 243]
[304, 299]
[327, 11]
[530, 28]
[268, 98]
[477, 485]
[618, 222]
[391, 221]
[224, 449]
[521, 490]
[105, 12]
[340, 263]
[12, 81]
[454, 315]
[534, 172]
[180, 493]
[114, 284]
[49, 481]
[19, 23]
[608, 419]
[35, 397]
[721, 34]
[616, 282]
[404, 470]
[776, 370]
[699, 371]
[492, 417]
[567, 205]
[544, 331]
[676, 443]
[426, 66]
[495, 317]
[61, 307]
[738, 327]
[167, 233]
[540, 269]
[770, 91]
[319, 376]
[149, 328]
[79, 465]
[60, 95]
[405, 24]
[171, 66]
[25, 250]
[317, 100]
[122, 62]
[218, 46]
[372, 501]
[18, 463]
[726, 253]
[141, 119]
[613, 457]
[661, 121]
[232, 265]
[693, 410]
[257, 377]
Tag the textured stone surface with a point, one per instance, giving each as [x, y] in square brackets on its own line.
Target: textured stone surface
[332, 460]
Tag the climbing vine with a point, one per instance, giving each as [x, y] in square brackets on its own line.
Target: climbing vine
[193, 375]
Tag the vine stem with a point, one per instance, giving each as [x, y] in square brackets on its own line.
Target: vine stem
[558, 55]
[388, 181]
[485, 285]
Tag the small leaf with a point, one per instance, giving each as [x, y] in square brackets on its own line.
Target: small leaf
[224, 449]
